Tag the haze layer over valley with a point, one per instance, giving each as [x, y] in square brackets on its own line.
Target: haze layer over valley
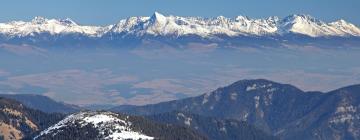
[139, 76]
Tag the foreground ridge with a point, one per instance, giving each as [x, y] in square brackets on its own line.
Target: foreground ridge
[112, 126]
[104, 122]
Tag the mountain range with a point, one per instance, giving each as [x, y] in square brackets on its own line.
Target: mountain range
[167, 29]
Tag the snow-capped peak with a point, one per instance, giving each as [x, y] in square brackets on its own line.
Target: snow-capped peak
[157, 17]
[68, 21]
[241, 18]
[40, 25]
[300, 18]
[156, 23]
[39, 20]
[308, 25]
[110, 126]
[340, 22]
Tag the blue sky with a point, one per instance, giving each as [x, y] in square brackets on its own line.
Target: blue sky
[102, 12]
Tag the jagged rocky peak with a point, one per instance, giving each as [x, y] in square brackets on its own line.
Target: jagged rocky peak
[222, 20]
[273, 19]
[39, 20]
[42, 20]
[340, 22]
[345, 26]
[310, 26]
[158, 17]
[156, 24]
[297, 23]
[68, 21]
[241, 18]
[300, 18]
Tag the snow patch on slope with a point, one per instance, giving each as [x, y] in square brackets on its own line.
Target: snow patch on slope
[267, 87]
[187, 120]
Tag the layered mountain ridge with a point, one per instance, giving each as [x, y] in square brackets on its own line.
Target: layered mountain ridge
[160, 25]
[279, 109]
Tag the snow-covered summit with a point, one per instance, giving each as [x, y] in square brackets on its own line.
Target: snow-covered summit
[161, 25]
[109, 125]
[41, 25]
[307, 25]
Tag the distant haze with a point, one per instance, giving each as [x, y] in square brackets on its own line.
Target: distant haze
[116, 76]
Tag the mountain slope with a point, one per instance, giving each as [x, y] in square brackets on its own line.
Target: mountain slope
[213, 128]
[279, 109]
[108, 125]
[42, 103]
[18, 121]
[336, 117]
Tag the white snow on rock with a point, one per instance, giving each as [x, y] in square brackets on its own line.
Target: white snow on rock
[245, 116]
[187, 120]
[257, 101]
[160, 25]
[119, 129]
[206, 98]
[268, 99]
[271, 90]
[344, 109]
[233, 96]
[252, 87]
[268, 87]
[345, 113]
[343, 118]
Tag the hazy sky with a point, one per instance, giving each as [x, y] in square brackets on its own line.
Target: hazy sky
[102, 12]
